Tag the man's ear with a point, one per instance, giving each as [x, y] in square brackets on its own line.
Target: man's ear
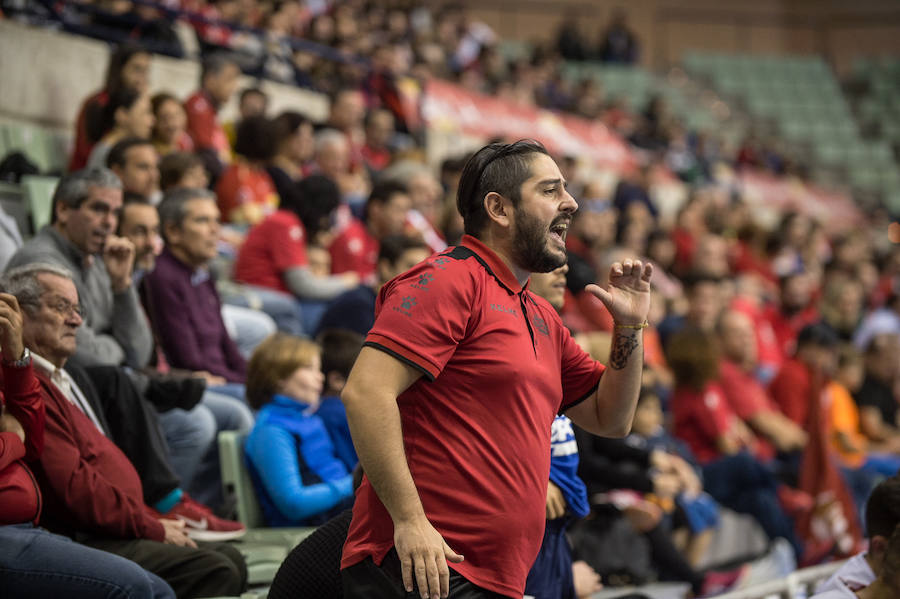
[62, 213]
[169, 232]
[498, 209]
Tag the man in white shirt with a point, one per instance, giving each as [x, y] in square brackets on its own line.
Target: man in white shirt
[882, 517]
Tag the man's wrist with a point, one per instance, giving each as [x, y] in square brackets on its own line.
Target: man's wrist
[22, 361]
[121, 286]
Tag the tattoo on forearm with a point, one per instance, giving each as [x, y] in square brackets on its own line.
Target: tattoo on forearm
[623, 346]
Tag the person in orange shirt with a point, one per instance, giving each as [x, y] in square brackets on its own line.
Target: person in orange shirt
[854, 449]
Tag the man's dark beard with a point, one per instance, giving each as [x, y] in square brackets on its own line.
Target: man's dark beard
[530, 245]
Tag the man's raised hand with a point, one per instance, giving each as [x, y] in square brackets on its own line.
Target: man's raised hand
[627, 297]
[11, 341]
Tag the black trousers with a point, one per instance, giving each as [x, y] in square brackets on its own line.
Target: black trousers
[132, 424]
[366, 580]
[210, 570]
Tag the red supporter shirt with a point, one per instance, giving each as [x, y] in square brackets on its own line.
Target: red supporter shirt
[354, 250]
[787, 327]
[790, 389]
[746, 396]
[768, 350]
[498, 365]
[204, 127]
[272, 247]
[82, 146]
[701, 417]
[242, 184]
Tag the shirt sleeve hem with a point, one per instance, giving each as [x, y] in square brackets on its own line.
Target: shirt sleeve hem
[404, 355]
[589, 393]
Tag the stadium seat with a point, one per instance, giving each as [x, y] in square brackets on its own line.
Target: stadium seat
[38, 190]
[263, 548]
[13, 203]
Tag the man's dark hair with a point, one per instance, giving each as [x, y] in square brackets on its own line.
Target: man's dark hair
[173, 166]
[382, 193]
[215, 63]
[392, 247]
[161, 98]
[497, 167]
[173, 208]
[251, 91]
[817, 335]
[696, 278]
[313, 199]
[285, 125]
[117, 154]
[130, 198]
[253, 138]
[339, 350]
[883, 508]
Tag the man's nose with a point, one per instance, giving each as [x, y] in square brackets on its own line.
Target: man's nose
[569, 204]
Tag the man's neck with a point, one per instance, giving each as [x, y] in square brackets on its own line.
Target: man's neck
[502, 247]
[182, 257]
[877, 590]
[47, 365]
[62, 233]
[287, 165]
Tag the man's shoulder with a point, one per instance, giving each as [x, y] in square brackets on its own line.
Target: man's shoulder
[40, 248]
[449, 270]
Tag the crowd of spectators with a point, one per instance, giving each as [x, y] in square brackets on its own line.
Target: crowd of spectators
[178, 243]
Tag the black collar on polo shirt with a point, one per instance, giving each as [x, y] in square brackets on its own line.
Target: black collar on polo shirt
[492, 263]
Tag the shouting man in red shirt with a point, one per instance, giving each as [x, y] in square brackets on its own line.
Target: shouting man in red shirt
[451, 400]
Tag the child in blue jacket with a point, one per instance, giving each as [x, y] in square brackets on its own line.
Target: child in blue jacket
[298, 476]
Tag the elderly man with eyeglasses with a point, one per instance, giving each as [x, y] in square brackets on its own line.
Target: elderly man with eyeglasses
[93, 491]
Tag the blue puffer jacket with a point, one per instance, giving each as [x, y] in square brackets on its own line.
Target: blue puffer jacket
[298, 477]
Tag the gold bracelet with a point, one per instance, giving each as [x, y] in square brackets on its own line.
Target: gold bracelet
[643, 325]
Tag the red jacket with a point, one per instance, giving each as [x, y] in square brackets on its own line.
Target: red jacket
[20, 496]
[88, 484]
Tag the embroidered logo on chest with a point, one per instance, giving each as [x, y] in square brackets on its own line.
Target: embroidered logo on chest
[540, 325]
[504, 309]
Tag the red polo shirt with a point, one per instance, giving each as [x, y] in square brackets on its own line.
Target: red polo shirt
[272, 247]
[498, 365]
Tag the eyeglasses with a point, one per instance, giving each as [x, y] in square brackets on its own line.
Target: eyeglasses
[64, 307]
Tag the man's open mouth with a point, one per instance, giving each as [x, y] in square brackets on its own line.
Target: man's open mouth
[559, 230]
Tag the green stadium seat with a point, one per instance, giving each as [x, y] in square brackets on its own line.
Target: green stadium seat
[38, 191]
[263, 548]
[866, 178]
[829, 154]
